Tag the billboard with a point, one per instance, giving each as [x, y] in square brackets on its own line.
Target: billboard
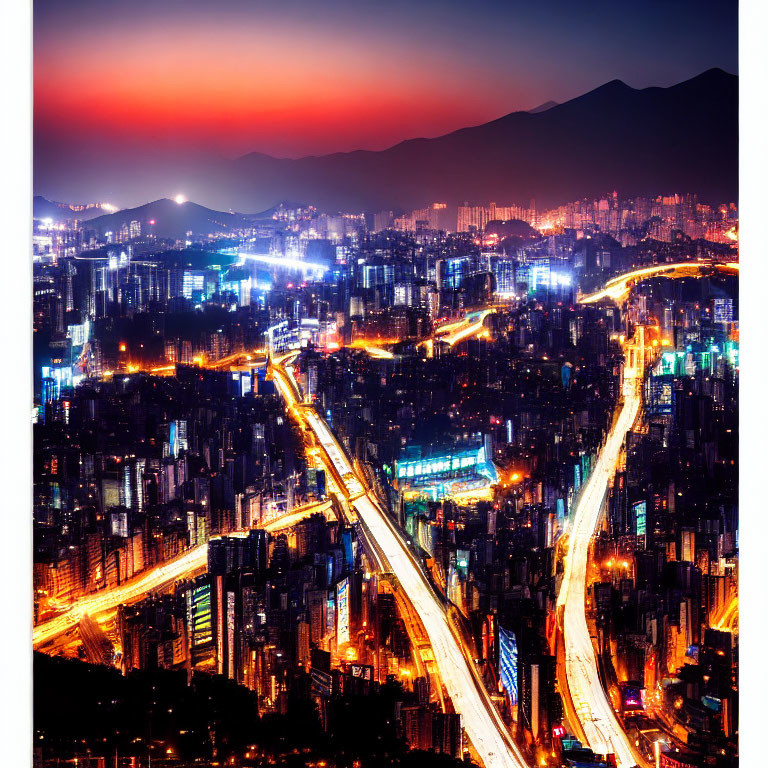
[640, 510]
[586, 466]
[723, 310]
[659, 393]
[202, 627]
[452, 462]
[322, 682]
[508, 663]
[220, 625]
[330, 608]
[231, 635]
[560, 506]
[448, 474]
[342, 612]
[363, 671]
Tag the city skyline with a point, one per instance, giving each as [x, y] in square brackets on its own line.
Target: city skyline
[386, 366]
[311, 494]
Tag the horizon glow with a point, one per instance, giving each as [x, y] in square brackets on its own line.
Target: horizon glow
[235, 76]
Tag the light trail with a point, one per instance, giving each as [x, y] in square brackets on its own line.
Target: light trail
[379, 354]
[481, 720]
[185, 564]
[294, 516]
[470, 325]
[464, 333]
[594, 710]
[728, 620]
[592, 706]
[286, 262]
[618, 288]
[252, 359]
[160, 577]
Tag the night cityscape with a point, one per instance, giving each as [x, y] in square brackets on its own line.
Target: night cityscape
[433, 459]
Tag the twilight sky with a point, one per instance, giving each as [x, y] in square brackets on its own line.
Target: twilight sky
[297, 77]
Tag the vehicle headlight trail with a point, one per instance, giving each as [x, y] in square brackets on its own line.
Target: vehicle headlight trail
[480, 718]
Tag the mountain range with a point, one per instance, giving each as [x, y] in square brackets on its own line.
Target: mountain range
[648, 141]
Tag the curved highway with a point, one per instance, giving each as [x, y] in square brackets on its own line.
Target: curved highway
[602, 728]
[618, 287]
[593, 707]
[160, 577]
[480, 718]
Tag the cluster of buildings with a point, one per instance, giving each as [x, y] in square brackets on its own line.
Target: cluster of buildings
[158, 433]
[664, 218]
[482, 452]
[667, 594]
[291, 615]
[132, 470]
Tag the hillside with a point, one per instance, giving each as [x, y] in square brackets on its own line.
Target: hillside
[683, 138]
[168, 219]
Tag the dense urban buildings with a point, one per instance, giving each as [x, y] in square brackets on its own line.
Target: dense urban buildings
[268, 454]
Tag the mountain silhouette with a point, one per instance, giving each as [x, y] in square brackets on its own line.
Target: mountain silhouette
[49, 209]
[542, 107]
[646, 141]
[638, 141]
[173, 220]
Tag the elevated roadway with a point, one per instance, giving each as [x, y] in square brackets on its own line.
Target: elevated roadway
[187, 565]
[592, 706]
[597, 719]
[617, 289]
[484, 726]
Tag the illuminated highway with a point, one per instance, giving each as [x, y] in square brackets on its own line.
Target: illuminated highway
[594, 710]
[294, 516]
[184, 566]
[470, 325]
[618, 287]
[480, 718]
[378, 353]
[483, 724]
[592, 706]
[450, 333]
[728, 620]
[284, 262]
[189, 562]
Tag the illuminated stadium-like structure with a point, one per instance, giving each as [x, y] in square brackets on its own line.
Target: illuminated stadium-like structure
[446, 475]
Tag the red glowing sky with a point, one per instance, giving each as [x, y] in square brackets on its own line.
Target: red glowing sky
[299, 77]
[142, 90]
[229, 89]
